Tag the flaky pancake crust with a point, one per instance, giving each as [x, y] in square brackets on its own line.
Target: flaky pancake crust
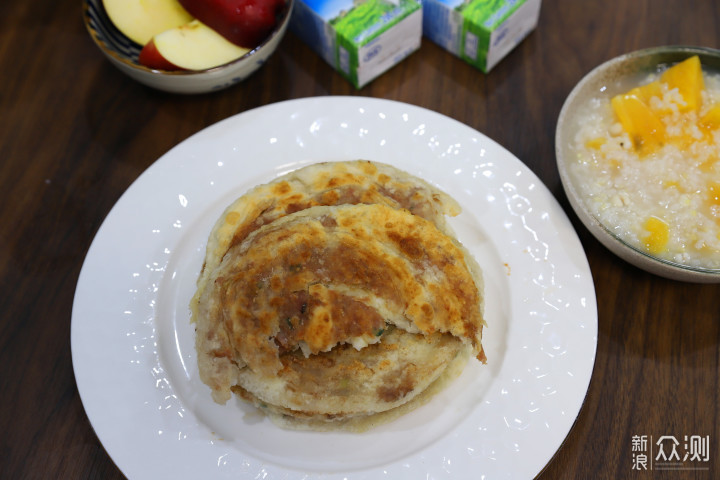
[290, 308]
[326, 183]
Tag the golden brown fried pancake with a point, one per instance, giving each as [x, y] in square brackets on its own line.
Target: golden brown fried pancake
[328, 183]
[346, 383]
[333, 313]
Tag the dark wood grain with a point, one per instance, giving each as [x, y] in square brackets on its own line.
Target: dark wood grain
[75, 133]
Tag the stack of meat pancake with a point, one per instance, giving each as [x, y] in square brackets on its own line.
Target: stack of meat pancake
[336, 295]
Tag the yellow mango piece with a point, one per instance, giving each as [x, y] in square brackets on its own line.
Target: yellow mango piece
[658, 234]
[713, 193]
[646, 130]
[684, 141]
[711, 119]
[708, 165]
[687, 77]
[595, 143]
[646, 92]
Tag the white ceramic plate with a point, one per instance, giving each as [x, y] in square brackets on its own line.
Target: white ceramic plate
[132, 343]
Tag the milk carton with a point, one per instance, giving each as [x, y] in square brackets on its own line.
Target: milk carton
[481, 32]
[361, 39]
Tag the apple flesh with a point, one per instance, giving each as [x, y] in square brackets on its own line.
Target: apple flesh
[193, 46]
[141, 20]
[243, 22]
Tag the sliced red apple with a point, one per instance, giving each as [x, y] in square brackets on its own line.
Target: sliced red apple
[141, 20]
[195, 46]
[243, 22]
[151, 58]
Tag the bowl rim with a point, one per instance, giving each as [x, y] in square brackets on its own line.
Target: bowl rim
[626, 251]
[104, 47]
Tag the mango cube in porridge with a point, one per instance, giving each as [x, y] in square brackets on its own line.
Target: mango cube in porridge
[595, 143]
[714, 193]
[658, 234]
[708, 166]
[646, 92]
[711, 119]
[687, 77]
[644, 123]
[646, 130]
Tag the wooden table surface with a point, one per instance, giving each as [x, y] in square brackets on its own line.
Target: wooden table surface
[75, 132]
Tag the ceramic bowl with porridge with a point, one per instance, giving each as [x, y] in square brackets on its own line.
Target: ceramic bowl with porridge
[638, 150]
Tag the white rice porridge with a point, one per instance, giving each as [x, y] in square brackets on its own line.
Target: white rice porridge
[666, 203]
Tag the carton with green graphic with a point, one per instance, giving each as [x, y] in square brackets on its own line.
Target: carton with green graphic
[481, 32]
[360, 38]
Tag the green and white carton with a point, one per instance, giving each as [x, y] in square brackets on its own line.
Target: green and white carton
[481, 32]
[361, 39]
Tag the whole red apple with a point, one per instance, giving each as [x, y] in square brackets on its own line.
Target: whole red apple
[243, 22]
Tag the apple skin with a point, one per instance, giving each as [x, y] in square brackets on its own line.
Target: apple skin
[152, 58]
[243, 22]
[193, 46]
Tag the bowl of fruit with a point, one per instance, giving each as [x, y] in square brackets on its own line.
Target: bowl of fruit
[187, 46]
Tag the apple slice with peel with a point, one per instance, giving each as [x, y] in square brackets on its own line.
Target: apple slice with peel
[141, 20]
[194, 46]
[244, 22]
[151, 58]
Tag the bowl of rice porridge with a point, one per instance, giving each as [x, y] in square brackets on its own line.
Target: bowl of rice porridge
[638, 152]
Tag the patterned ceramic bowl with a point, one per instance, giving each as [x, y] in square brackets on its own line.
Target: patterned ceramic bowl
[609, 221]
[123, 53]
